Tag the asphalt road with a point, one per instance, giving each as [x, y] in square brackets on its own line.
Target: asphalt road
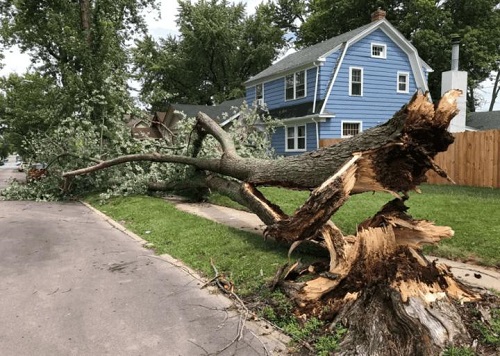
[72, 284]
[9, 171]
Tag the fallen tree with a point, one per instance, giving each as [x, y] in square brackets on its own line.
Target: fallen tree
[377, 282]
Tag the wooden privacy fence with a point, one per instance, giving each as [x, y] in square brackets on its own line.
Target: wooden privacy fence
[473, 159]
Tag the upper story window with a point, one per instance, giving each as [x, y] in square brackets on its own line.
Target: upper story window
[379, 50]
[355, 81]
[296, 138]
[403, 82]
[295, 85]
[350, 128]
[259, 94]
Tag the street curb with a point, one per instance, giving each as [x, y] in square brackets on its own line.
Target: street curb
[116, 224]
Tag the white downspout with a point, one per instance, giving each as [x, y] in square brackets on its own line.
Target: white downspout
[337, 69]
[317, 64]
[317, 132]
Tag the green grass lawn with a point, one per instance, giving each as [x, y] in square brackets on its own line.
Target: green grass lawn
[473, 213]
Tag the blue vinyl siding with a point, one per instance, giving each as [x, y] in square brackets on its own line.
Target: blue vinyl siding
[311, 136]
[278, 140]
[250, 94]
[380, 98]
[326, 73]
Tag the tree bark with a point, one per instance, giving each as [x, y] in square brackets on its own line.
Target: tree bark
[85, 11]
[495, 91]
[377, 282]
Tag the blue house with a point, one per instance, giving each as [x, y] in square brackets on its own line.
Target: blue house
[339, 87]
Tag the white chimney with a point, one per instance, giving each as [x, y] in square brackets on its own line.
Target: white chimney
[455, 51]
[455, 79]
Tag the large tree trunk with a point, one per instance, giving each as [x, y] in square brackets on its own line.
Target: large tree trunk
[377, 282]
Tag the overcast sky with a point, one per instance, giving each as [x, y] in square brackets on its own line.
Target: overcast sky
[161, 27]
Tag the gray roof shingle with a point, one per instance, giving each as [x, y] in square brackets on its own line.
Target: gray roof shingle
[487, 120]
[215, 111]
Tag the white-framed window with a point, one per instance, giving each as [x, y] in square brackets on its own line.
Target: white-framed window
[403, 84]
[355, 81]
[350, 128]
[259, 94]
[379, 50]
[295, 85]
[295, 138]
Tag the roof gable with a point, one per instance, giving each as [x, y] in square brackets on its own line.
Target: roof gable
[319, 51]
[307, 55]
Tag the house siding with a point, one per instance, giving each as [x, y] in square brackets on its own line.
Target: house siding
[326, 72]
[250, 94]
[380, 99]
[278, 140]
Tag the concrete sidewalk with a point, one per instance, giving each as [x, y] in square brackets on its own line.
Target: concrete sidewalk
[476, 276]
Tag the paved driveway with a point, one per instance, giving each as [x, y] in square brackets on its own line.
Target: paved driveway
[71, 284]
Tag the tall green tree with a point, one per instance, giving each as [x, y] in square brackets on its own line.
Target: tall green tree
[80, 44]
[30, 106]
[428, 24]
[219, 47]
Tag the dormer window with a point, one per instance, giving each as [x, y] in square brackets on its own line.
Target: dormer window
[295, 85]
[379, 50]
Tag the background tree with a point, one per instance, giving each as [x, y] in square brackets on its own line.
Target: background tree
[287, 14]
[218, 48]
[428, 24]
[30, 106]
[80, 45]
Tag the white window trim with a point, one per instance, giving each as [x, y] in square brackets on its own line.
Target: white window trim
[259, 101]
[295, 137]
[407, 75]
[342, 122]
[350, 81]
[295, 85]
[384, 52]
